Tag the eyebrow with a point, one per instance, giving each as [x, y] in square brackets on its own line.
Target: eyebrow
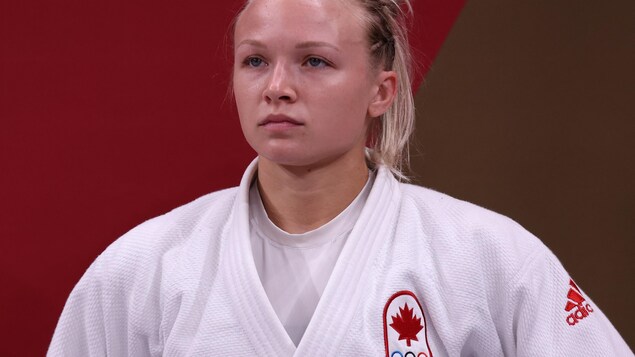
[302, 45]
[311, 44]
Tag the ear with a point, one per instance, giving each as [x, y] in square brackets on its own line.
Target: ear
[384, 93]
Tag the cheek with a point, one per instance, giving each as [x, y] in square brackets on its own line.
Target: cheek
[238, 85]
[345, 119]
[350, 104]
[242, 95]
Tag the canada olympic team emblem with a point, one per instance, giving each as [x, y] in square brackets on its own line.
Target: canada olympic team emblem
[405, 328]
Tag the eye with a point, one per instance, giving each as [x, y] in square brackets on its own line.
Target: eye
[316, 62]
[254, 62]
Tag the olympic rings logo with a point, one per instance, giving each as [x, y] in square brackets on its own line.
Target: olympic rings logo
[408, 354]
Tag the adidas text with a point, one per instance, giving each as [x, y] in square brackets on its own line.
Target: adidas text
[579, 314]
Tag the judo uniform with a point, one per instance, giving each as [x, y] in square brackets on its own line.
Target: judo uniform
[421, 274]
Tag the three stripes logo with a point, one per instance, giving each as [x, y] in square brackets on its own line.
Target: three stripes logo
[577, 305]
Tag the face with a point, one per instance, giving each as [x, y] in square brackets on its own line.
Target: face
[303, 82]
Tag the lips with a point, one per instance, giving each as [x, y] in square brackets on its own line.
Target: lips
[279, 120]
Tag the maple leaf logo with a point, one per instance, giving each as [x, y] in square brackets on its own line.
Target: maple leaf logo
[407, 324]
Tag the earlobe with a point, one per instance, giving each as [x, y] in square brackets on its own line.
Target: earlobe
[384, 95]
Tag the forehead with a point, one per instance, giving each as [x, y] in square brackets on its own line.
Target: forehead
[328, 20]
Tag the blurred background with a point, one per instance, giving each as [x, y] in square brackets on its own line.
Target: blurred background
[114, 112]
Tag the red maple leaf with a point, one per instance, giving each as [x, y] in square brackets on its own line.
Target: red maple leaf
[406, 324]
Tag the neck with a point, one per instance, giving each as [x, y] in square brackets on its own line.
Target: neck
[301, 199]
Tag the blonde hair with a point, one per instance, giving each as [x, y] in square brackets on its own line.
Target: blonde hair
[388, 38]
[387, 30]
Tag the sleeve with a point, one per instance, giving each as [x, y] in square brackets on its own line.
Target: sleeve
[81, 329]
[98, 319]
[552, 316]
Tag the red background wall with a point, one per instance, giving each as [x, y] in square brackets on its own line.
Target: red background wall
[112, 113]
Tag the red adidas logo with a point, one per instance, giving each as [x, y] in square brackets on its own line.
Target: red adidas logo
[577, 302]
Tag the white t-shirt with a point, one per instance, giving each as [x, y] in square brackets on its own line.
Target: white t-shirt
[294, 268]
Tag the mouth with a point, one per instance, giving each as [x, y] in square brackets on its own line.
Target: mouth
[279, 120]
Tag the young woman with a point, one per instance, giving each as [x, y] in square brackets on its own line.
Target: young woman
[321, 251]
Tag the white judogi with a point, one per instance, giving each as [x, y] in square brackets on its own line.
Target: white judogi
[185, 284]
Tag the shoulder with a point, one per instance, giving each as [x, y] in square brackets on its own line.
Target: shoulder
[145, 249]
[472, 237]
[125, 291]
[177, 225]
[443, 206]
[462, 218]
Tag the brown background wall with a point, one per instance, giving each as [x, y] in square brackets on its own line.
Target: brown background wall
[528, 111]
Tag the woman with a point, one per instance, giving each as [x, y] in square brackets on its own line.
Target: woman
[320, 251]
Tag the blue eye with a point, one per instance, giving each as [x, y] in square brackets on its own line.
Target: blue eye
[316, 62]
[254, 61]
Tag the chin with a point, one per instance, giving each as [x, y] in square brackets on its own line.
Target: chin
[306, 161]
[288, 160]
[303, 155]
[287, 155]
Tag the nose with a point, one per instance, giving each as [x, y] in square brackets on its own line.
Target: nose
[280, 86]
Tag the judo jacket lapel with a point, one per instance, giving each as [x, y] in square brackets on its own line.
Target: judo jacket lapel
[252, 307]
[345, 287]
